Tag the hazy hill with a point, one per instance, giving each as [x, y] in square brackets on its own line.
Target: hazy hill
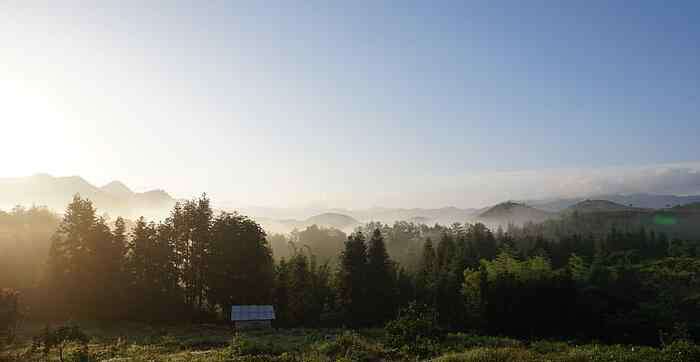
[115, 198]
[117, 188]
[444, 215]
[692, 208]
[330, 220]
[646, 201]
[599, 206]
[513, 212]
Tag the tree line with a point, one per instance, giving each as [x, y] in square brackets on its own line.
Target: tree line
[191, 263]
[537, 280]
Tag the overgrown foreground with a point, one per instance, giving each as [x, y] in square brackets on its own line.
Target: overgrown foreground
[138, 342]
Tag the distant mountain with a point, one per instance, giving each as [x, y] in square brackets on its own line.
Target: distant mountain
[693, 207]
[329, 219]
[587, 206]
[117, 188]
[649, 201]
[646, 201]
[513, 212]
[115, 198]
[419, 220]
[443, 215]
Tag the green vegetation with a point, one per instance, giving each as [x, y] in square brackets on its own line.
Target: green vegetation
[393, 293]
[9, 314]
[146, 342]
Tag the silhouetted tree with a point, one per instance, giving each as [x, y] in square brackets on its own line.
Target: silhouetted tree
[352, 288]
[239, 263]
[381, 288]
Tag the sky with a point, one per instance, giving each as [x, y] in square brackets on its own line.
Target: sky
[354, 104]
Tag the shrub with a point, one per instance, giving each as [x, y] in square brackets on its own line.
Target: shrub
[491, 355]
[616, 353]
[59, 339]
[462, 341]
[9, 314]
[545, 347]
[682, 351]
[202, 343]
[415, 330]
[243, 346]
[351, 347]
[79, 354]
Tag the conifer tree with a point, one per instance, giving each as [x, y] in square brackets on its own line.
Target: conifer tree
[381, 289]
[352, 281]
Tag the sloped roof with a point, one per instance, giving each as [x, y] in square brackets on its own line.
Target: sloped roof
[252, 312]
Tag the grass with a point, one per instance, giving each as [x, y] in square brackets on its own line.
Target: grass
[135, 342]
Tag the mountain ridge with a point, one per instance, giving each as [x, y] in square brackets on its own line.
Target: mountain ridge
[56, 192]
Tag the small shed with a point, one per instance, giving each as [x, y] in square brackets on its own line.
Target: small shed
[252, 316]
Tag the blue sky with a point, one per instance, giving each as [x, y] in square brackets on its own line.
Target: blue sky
[351, 103]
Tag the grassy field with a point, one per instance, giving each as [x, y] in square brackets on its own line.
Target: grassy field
[141, 342]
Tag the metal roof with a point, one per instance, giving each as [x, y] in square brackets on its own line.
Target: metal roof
[252, 312]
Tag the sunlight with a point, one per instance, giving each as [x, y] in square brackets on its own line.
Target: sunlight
[33, 127]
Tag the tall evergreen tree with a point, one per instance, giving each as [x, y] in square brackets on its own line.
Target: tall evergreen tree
[426, 280]
[381, 288]
[352, 281]
[81, 262]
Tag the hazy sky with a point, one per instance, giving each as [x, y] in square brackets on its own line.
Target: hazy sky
[353, 103]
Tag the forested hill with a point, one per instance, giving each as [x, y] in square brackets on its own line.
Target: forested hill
[599, 206]
[641, 200]
[514, 213]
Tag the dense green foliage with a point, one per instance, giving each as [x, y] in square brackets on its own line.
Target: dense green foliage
[138, 342]
[191, 264]
[416, 330]
[555, 280]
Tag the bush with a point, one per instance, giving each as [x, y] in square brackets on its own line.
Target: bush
[202, 343]
[546, 347]
[9, 314]
[351, 347]
[415, 330]
[242, 346]
[682, 351]
[491, 355]
[462, 341]
[79, 354]
[59, 339]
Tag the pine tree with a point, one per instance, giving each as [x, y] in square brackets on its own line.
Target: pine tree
[445, 251]
[79, 269]
[140, 268]
[120, 280]
[281, 294]
[352, 281]
[427, 283]
[381, 289]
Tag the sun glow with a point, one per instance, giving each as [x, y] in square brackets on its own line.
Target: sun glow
[33, 128]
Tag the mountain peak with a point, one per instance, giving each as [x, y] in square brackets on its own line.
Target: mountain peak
[57, 192]
[514, 212]
[116, 188]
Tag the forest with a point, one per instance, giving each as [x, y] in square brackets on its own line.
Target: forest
[563, 280]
